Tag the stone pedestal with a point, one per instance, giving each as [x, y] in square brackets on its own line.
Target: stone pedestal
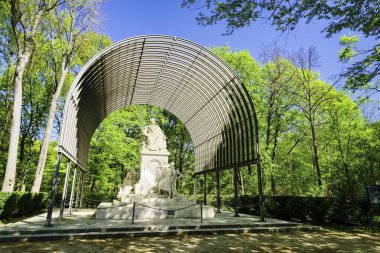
[158, 207]
[151, 164]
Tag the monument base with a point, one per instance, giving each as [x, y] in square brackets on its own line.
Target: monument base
[151, 164]
[155, 207]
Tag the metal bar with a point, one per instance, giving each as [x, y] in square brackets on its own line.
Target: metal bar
[201, 213]
[195, 189]
[64, 194]
[133, 212]
[82, 190]
[205, 189]
[138, 69]
[52, 193]
[77, 188]
[225, 167]
[235, 193]
[171, 99]
[260, 186]
[103, 86]
[259, 175]
[218, 191]
[72, 190]
[216, 94]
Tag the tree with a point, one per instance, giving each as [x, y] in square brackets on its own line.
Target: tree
[308, 94]
[24, 21]
[359, 16]
[66, 28]
[277, 74]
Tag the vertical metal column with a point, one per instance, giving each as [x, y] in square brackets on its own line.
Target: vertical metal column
[77, 189]
[82, 190]
[52, 193]
[235, 193]
[260, 186]
[195, 188]
[72, 190]
[205, 189]
[217, 190]
[64, 194]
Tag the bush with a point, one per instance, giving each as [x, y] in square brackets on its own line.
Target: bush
[314, 210]
[21, 204]
[93, 199]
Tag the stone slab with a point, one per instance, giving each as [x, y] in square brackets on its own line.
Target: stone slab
[81, 224]
[152, 210]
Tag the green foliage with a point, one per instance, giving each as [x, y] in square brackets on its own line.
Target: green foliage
[93, 199]
[21, 204]
[314, 210]
[298, 114]
[346, 53]
[358, 16]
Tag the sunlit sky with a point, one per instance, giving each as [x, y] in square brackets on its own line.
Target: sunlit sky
[127, 18]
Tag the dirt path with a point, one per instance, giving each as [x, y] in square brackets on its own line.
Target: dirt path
[322, 241]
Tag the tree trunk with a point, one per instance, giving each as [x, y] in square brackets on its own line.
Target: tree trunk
[49, 126]
[241, 182]
[24, 53]
[273, 160]
[10, 172]
[315, 154]
[5, 120]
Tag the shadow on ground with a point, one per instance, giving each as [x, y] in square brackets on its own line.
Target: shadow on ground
[321, 241]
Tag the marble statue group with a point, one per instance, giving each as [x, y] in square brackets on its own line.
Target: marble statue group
[157, 175]
[152, 187]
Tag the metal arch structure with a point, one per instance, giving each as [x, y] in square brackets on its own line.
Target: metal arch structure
[184, 78]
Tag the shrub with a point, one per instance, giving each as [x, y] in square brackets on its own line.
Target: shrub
[93, 199]
[314, 210]
[3, 200]
[20, 204]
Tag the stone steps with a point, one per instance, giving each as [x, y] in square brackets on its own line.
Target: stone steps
[138, 231]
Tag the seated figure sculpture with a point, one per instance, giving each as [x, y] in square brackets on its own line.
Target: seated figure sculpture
[128, 182]
[167, 181]
[124, 192]
[153, 137]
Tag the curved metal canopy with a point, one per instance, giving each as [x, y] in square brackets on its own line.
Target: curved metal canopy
[178, 75]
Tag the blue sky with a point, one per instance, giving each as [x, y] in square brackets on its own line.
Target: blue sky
[127, 18]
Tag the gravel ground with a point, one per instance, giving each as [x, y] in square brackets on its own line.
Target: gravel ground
[320, 241]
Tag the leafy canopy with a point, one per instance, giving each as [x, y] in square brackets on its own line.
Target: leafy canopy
[359, 16]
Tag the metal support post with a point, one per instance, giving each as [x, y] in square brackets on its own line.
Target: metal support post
[201, 213]
[195, 189]
[72, 190]
[133, 212]
[260, 186]
[52, 193]
[205, 190]
[77, 189]
[82, 190]
[218, 191]
[64, 194]
[235, 193]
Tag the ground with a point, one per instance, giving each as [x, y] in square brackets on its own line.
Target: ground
[326, 240]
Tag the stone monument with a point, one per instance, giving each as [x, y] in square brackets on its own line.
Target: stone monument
[154, 158]
[155, 190]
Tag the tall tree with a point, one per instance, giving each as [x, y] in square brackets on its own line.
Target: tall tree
[308, 94]
[25, 19]
[277, 74]
[359, 16]
[66, 27]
